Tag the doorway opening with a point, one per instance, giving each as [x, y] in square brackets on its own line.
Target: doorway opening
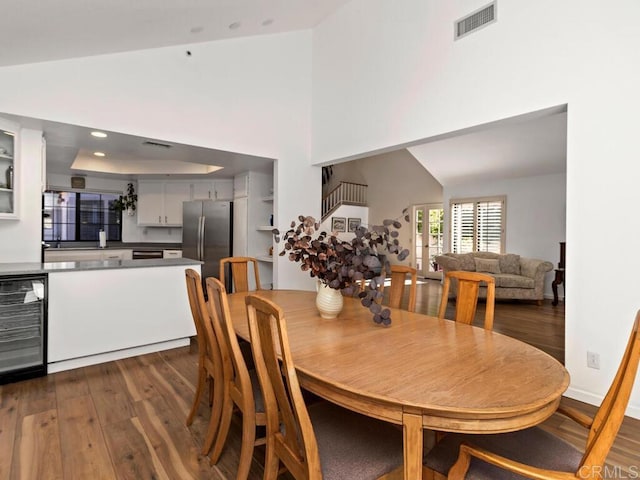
[428, 238]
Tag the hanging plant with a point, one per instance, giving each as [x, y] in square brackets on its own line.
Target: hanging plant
[126, 202]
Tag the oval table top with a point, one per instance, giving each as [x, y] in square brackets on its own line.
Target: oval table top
[444, 375]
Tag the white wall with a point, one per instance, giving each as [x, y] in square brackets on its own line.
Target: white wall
[131, 232]
[535, 215]
[247, 95]
[389, 73]
[21, 239]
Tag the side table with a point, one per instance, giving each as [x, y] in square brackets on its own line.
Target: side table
[559, 280]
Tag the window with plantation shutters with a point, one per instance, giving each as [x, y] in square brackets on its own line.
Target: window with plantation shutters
[477, 225]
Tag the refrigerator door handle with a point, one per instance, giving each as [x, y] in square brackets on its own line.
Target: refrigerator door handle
[201, 238]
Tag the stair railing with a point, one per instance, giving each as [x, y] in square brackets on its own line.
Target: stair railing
[346, 193]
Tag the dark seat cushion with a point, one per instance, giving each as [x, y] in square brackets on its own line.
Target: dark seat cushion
[532, 446]
[353, 446]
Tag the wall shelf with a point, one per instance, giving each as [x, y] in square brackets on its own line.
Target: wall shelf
[265, 258]
[264, 228]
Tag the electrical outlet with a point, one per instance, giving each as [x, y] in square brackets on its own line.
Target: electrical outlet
[593, 360]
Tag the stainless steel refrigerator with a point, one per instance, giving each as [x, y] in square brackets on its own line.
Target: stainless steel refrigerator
[207, 230]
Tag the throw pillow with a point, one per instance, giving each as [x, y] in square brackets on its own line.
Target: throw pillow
[510, 263]
[487, 265]
[466, 262]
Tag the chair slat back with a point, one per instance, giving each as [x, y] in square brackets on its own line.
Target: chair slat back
[239, 268]
[235, 366]
[467, 297]
[205, 336]
[610, 415]
[294, 445]
[396, 290]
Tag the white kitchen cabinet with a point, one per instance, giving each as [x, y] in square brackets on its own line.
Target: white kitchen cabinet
[70, 255]
[160, 202]
[241, 185]
[9, 168]
[104, 322]
[221, 189]
[117, 254]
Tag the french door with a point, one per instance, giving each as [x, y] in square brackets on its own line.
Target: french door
[428, 226]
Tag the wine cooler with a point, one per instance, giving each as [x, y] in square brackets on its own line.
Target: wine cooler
[23, 327]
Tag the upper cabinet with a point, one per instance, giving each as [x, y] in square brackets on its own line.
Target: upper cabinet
[221, 189]
[160, 202]
[9, 169]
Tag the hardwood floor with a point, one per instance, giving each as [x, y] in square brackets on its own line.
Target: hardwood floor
[126, 419]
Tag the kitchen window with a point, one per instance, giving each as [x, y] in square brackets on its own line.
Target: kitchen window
[79, 216]
[478, 224]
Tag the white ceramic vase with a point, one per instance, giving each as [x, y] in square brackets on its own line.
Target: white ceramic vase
[329, 301]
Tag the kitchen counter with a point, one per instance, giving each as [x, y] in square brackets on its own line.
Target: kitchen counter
[100, 311]
[114, 245]
[38, 268]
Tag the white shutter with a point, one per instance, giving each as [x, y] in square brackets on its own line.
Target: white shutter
[462, 228]
[477, 225]
[489, 226]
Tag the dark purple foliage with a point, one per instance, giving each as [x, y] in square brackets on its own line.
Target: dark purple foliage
[342, 265]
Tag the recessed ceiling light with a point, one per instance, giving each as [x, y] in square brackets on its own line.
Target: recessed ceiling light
[234, 25]
[98, 154]
[99, 134]
[267, 22]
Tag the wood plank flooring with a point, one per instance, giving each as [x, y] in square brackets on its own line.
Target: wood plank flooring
[126, 419]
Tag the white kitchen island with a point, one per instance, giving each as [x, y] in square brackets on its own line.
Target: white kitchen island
[100, 311]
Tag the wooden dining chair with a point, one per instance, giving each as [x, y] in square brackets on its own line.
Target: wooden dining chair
[238, 267]
[323, 441]
[241, 387]
[467, 296]
[398, 283]
[536, 452]
[210, 366]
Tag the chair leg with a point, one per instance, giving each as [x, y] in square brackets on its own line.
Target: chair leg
[202, 378]
[220, 399]
[247, 447]
[223, 429]
[271, 462]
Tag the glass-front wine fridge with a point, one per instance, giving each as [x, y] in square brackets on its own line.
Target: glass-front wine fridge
[23, 327]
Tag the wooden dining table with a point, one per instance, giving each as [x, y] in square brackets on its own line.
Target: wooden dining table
[421, 372]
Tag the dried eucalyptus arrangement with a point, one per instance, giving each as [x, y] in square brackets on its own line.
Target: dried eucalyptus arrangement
[347, 265]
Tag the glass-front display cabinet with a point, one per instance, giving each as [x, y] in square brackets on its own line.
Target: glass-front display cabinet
[8, 172]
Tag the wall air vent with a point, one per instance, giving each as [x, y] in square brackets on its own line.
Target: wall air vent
[156, 144]
[475, 21]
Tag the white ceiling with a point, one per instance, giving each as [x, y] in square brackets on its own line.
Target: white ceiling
[43, 30]
[529, 145]
[53, 30]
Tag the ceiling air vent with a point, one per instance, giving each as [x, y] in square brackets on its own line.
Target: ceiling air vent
[476, 20]
[156, 144]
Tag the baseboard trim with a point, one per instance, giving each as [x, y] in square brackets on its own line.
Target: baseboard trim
[115, 355]
[587, 397]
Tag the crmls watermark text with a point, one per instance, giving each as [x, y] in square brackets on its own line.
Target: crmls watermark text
[608, 472]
